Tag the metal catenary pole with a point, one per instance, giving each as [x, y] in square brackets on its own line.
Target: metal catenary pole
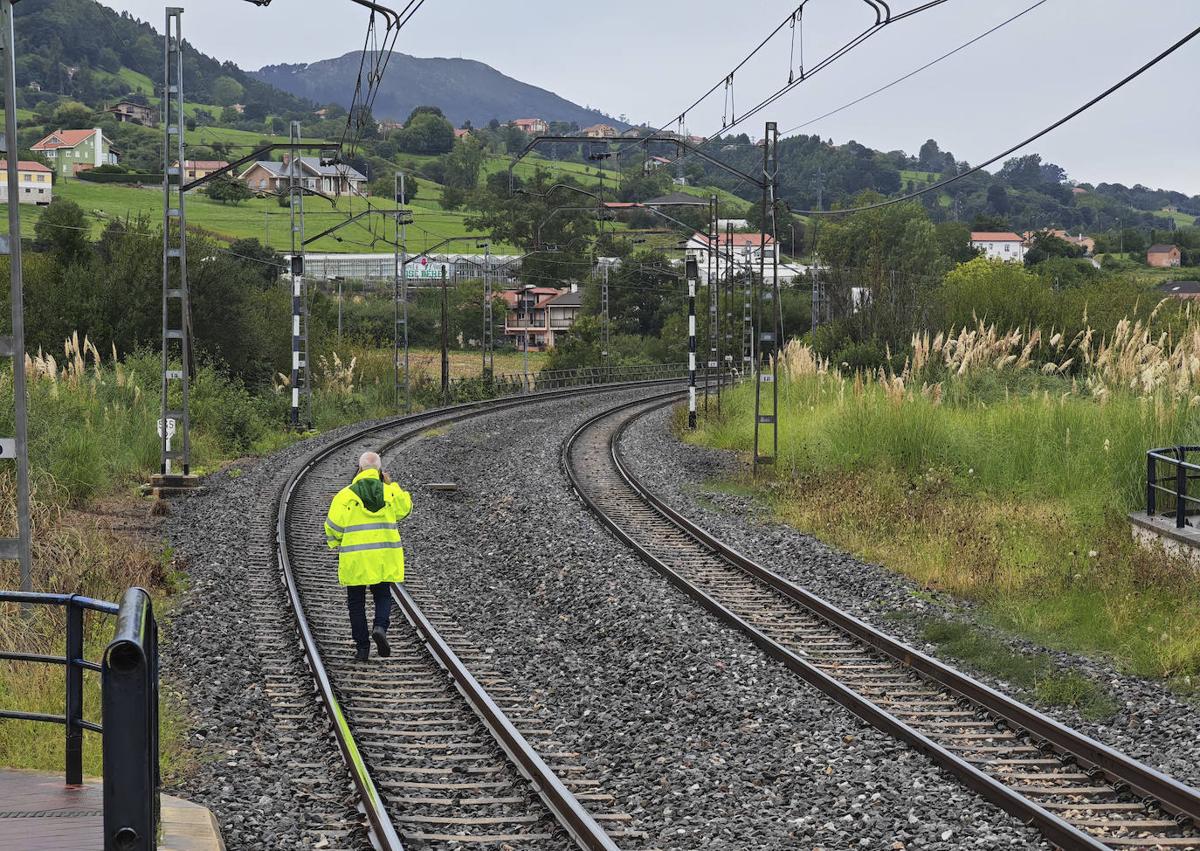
[692, 268]
[301, 388]
[489, 355]
[604, 320]
[727, 296]
[176, 342]
[403, 219]
[17, 447]
[446, 336]
[766, 414]
[714, 319]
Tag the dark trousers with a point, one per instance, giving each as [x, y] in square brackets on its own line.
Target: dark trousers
[356, 600]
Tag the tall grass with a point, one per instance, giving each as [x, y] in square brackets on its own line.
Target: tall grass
[1000, 466]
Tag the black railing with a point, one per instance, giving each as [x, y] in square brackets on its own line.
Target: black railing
[129, 710]
[1173, 461]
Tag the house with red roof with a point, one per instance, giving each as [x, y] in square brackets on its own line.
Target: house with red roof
[532, 126]
[743, 250]
[999, 245]
[73, 151]
[539, 316]
[35, 183]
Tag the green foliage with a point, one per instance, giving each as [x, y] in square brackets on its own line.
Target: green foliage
[226, 91]
[426, 133]
[226, 190]
[62, 230]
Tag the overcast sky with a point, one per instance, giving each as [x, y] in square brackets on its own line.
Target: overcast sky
[648, 59]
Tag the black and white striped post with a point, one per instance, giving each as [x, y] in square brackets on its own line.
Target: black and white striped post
[693, 273]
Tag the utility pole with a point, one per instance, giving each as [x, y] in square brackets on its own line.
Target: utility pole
[400, 297]
[446, 338]
[748, 316]
[692, 271]
[714, 321]
[17, 448]
[712, 249]
[605, 319]
[727, 295]
[818, 296]
[300, 371]
[766, 405]
[176, 341]
[489, 355]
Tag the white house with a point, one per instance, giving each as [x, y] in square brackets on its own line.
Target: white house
[1008, 247]
[744, 249]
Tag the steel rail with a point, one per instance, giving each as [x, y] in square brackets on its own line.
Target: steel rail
[1173, 796]
[561, 802]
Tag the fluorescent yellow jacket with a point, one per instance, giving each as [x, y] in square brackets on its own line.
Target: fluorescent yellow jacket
[364, 527]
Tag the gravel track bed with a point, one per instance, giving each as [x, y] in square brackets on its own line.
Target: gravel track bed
[702, 739]
[263, 760]
[1153, 724]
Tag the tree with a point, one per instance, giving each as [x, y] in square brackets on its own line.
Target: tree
[73, 114]
[424, 110]
[229, 191]
[1046, 245]
[257, 259]
[425, 134]
[997, 199]
[930, 157]
[62, 231]
[227, 91]
[462, 166]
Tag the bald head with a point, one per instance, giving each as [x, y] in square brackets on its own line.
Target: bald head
[370, 461]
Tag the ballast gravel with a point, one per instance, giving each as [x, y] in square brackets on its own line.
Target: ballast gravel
[257, 753]
[1153, 724]
[706, 743]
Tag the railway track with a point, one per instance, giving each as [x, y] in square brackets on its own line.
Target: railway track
[442, 752]
[1078, 792]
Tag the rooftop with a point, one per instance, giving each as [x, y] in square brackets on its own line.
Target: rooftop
[994, 236]
[63, 139]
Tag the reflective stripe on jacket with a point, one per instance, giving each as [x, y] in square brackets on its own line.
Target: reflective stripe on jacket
[368, 542]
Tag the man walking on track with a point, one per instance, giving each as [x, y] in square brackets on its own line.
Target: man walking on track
[364, 527]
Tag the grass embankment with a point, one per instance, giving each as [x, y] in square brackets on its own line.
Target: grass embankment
[984, 473]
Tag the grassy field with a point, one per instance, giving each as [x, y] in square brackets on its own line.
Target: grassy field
[973, 486]
[262, 219]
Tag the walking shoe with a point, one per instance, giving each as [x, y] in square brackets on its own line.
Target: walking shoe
[363, 653]
[381, 642]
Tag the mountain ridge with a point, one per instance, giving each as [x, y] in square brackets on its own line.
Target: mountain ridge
[464, 89]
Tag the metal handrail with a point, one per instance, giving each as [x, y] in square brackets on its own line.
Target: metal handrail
[1175, 457]
[129, 705]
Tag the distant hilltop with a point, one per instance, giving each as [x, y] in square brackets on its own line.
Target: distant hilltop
[464, 89]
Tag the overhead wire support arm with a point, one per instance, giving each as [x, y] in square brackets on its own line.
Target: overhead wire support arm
[645, 140]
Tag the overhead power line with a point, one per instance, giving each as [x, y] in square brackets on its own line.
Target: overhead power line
[916, 71]
[1023, 143]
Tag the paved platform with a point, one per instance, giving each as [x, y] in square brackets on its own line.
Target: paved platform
[1160, 532]
[39, 813]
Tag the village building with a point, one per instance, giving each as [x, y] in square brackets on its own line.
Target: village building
[129, 112]
[532, 126]
[601, 131]
[198, 169]
[275, 177]
[540, 314]
[1164, 256]
[999, 245]
[73, 151]
[35, 183]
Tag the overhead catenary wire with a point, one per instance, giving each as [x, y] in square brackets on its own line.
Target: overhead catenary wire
[916, 71]
[1023, 143]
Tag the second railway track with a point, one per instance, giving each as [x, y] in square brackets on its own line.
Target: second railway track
[443, 752]
[1078, 792]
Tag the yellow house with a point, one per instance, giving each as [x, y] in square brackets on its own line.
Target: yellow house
[36, 183]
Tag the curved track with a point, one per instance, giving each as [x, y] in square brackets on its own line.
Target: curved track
[437, 745]
[1078, 792]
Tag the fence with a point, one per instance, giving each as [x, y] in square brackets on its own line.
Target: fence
[129, 709]
[557, 378]
[1180, 471]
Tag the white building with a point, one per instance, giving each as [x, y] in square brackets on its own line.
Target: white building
[1008, 247]
[744, 249]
